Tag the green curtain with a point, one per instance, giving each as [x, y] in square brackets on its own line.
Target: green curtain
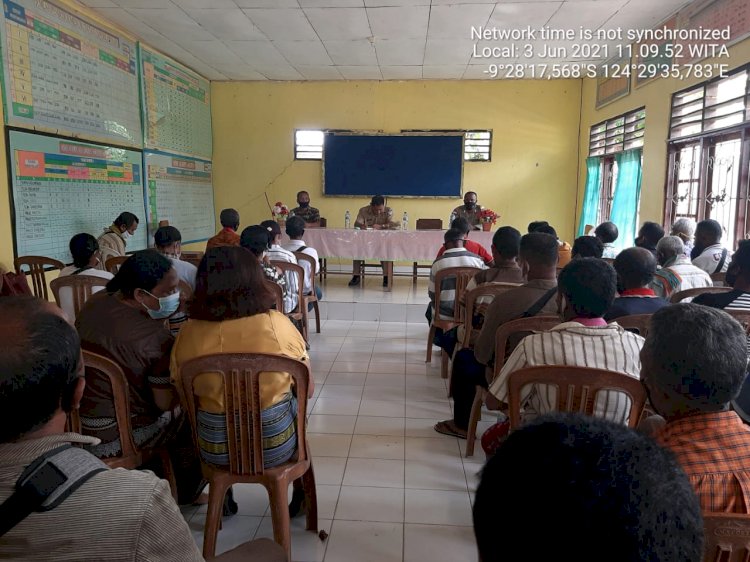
[591, 196]
[627, 195]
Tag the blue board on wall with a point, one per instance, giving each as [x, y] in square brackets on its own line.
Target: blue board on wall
[395, 165]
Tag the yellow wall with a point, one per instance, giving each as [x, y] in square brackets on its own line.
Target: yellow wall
[533, 173]
[656, 96]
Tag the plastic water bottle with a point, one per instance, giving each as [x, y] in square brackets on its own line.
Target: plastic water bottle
[405, 221]
[451, 219]
[347, 220]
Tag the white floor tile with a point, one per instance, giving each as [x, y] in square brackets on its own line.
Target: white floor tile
[420, 427]
[389, 393]
[336, 406]
[361, 503]
[425, 449]
[346, 378]
[437, 507]
[323, 423]
[442, 474]
[306, 545]
[382, 408]
[236, 530]
[397, 368]
[329, 471]
[377, 447]
[439, 543]
[378, 473]
[432, 410]
[376, 425]
[329, 444]
[365, 541]
[341, 391]
[385, 379]
[341, 366]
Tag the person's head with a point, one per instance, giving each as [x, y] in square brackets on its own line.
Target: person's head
[684, 228]
[230, 284]
[377, 204]
[587, 247]
[257, 239]
[168, 240]
[295, 228]
[635, 268]
[547, 229]
[586, 288]
[462, 224]
[230, 218]
[668, 249]
[470, 200]
[607, 232]
[534, 225]
[649, 235]
[148, 278]
[303, 199]
[453, 238]
[274, 230]
[42, 375]
[505, 244]
[694, 360]
[622, 495]
[127, 222]
[85, 250]
[537, 256]
[707, 233]
[738, 271]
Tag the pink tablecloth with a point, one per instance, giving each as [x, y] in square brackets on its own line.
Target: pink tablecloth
[387, 245]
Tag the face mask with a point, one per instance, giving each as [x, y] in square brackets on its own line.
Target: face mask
[126, 235]
[167, 305]
[470, 205]
[304, 205]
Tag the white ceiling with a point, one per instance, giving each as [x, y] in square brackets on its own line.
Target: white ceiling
[355, 39]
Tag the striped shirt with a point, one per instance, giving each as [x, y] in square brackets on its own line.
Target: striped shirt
[610, 347]
[118, 514]
[714, 450]
[680, 275]
[277, 253]
[731, 300]
[455, 257]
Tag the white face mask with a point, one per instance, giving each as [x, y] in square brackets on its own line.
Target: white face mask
[126, 235]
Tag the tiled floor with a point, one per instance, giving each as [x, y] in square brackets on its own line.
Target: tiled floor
[390, 489]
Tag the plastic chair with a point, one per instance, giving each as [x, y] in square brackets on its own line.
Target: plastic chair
[637, 323]
[727, 537]
[691, 293]
[424, 224]
[81, 287]
[278, 294]
[300, 312]
[311, 297]
[113, 264]
[577, 388]
[503, 335]
[241, 380]
[36, 266]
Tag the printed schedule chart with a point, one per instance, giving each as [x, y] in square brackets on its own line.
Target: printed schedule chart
[62, 187]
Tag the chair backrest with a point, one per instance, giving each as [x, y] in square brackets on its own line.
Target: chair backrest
[727, 537]
[192, 257]
[577, 388]
[472, 308]
[429, 224]
[303, 257]
[81, 288]
[742, 316]
[277, 292]
[637, 323]
[323, 222]
[719, 279]
[35, 266]
[113, 264]
[289, 268]
[690, 293]
[240, 373]
[98, 365]
[518, 327]
[462, 276]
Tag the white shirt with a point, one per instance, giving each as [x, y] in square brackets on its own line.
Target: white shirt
[66, 293]
[609, 251]
[277, 253]
[294, 246]
[186, 271]
[709, 259]
[455, 257]
[688, 275]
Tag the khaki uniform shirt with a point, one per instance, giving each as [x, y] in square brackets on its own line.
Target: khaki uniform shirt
[117, 514]
[471, 216]
[311, 214]
[111, 244]
[366, 218]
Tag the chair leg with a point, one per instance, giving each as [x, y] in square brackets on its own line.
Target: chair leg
[476, 413]
[305, 321]
[311, 498]
[278, 495]
[414, 273]
[317, 316]
[166, 466]
[216, 492]
[430, 336]
[444, 365]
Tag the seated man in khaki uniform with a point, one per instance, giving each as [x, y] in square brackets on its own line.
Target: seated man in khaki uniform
[377, 217]
[470, 210]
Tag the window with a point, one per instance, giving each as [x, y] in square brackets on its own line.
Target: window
[308, 144]
[618, 134]
[478, 146]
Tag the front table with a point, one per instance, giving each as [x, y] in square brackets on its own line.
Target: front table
[382, 245]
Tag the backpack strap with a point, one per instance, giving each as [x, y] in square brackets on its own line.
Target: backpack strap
[302, 249]
[721, 263]
[534, 309]
[47, 482]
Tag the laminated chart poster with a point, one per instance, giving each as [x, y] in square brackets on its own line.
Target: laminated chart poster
[177, 107]
[180, 191]
[67, 75]
[62, 187]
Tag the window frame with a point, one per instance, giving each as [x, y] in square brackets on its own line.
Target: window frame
[631, 126]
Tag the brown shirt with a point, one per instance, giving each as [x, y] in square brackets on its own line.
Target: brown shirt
[501, 274]
[366, 218]
[225, 237]
[470, 215]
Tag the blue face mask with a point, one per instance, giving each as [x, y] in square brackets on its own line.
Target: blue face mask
[167, 305]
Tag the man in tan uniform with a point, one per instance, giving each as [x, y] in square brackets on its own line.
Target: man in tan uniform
[470, 210]
[378, 217]
[113, 240]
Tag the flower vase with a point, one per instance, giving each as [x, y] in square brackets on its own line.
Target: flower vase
[281, 221]
[486, 226]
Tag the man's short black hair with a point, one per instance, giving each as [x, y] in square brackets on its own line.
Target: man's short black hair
[142, 270]
[126, 219]
[82, 247]
[256, 238]
[636, 267]
[595, 490]
[587, 247]
[230, 218]
[607, 232]
[589, 285]
[539, 249]
[301, 192]
[534, 225]
[652, 232]
[697, 352]
[166, 236]
[295, 227]
[547, 229]
[462, 224]
[40, 359]
[507, 242]
[453, 235]
[377, 200]
[712, 228]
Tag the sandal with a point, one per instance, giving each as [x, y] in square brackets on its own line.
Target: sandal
[448, 427]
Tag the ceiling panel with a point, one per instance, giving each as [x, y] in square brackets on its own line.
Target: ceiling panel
[319, 72]
[260, 53]
[351, 53]
[304, 52]
[399, 23]
[361, 72]
[283, 24]
[400, 52]
[339, 23]
[450, 22]
[401, 72]
[230, 24]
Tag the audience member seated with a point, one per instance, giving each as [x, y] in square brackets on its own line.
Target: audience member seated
[538, 261]
[564, 250]
[677, 273]
[463, 225]
[257, 240]
[309, 214]
[607, 233]
[708, 253]
[227, 236]
[277, 253]
[168, 241]
[573, 487]
[635, 273]
[587, 247]
[231, 313]
[649, 235]
[113, 241]
[375, 216]
[114, 514]
[85, 251]
[534, 225]
[295, 229]
[694, 363]
[684, 228]
[469, 210]
[586, 290]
